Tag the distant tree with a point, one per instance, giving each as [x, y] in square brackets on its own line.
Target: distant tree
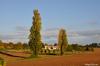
[0, 42]
[55, 44]
[18, 46]
[1, 45]
[94, 45]
[10, 45]
[25, 46]
[99, 45]
[87, 48]
[35, 36]
[69, 48]
[62, 41]
[76, 47]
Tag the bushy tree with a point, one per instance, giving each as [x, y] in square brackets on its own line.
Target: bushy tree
[10, 45]
[18, 46]
[69, 48]
[0, 42]
[76, 47]
[62, 41]
[25, 46]
[1, 45]
[35, 36]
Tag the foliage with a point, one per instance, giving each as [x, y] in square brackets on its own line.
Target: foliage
[95, 45]
[11, 46]
[62, 41]
[35, 36]
[25, 46]
[87, 48]
[69, 48]
[2, 62]
[18, 46]
[2, 45]
[76, 47]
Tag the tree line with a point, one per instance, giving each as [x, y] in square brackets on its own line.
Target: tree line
[11, 45]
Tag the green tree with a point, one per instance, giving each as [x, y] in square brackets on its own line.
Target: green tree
[76, 47]
[10, 45]
[0, 41]
[1, 45]
[25, 46]
[62, 41]
[69, 48]
[18, 46]
[35, 36]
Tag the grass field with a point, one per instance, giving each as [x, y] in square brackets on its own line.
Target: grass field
[78, 59]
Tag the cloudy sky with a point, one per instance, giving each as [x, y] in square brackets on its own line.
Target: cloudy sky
[80, 18]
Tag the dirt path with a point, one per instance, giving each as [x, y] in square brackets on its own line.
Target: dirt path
[11, 55]
[67, 60]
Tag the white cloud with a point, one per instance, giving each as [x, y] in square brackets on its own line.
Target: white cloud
[20, 34]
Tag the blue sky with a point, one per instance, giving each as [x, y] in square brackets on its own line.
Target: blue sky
[80, 18]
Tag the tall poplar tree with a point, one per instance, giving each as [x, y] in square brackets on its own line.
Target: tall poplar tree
[35, 35]
[62, 41]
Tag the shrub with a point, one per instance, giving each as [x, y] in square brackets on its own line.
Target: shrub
[2, 62]
[69, 48]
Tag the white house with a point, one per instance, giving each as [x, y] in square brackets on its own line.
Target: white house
[51, 47]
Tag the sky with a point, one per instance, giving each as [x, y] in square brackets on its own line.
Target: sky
[80, 19]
